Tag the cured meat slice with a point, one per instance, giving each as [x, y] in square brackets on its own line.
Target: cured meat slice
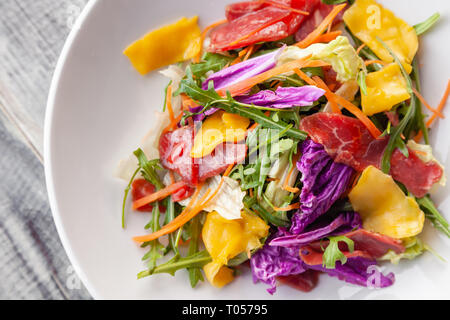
[246, 18]
[305, 281]
[175, 153]
[348, 141]
[314, 19]
[374, 244]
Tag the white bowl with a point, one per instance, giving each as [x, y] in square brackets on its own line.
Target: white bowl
[99, 109]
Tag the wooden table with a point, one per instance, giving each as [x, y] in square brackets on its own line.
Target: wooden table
[33, 263]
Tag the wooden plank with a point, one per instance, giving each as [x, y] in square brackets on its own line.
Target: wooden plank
[33, 264]
[32, 34]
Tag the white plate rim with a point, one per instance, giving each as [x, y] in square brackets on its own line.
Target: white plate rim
[49, 112]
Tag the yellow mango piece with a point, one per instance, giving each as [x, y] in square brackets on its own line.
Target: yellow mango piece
[385, 89]
[224, 239]
[368, 20]
[167, 45]
[383, 206]
[218, 128]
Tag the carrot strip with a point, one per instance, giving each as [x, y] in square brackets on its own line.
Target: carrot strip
[158, 195]
[290, 189]
[322, 85]
[172, 177]
[441, 104]
[360, 48]
[173, 124]
[427, 105]
[286, 181]
[347, 105]
[169, 103]
[321, 27]
[282, 6]
[327, 37]
[244, 85]
[176, 223]
[369, 62]
[203, 36]
[249, 52]
[288, 208]
[187, 214]
[418, 136]
[187, 102]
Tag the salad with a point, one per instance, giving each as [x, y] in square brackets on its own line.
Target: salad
[292, 142]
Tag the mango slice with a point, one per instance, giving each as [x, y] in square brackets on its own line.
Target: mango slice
[170, 44]
[383, 206]
[216, 129]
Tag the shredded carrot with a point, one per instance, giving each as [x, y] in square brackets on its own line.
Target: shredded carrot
[244, 85]
[249, 52]
[242, 53]
[418, 136]
[286, 181]
[187, 102]
[427, 105]
[172, 177]
[169, 103]
[321, 27]
[334, 106]
[173, 124]
[329, 27]
[203, 36]
[251, 193]
[188, 213]
[288, 208]
[347, 105]
[290, 189]
[360, 48]
[282, 6]
[419, 152]
[369, 62]
[158, 195]
[441, 104]
[327, 37]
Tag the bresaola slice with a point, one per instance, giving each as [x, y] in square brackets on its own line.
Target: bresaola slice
[246, 19]
[349, 142]
[175, 149]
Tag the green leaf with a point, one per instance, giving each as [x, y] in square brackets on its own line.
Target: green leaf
[211, 62]
[195, 274]
[362, 82]
[433, 214]
[127, 190]
[149, 168]
[196, 260]
[210, 97]
[396, 132]
[165, 95]
[419, 115]
[337, 1]
[423, 27]
[156, 248]
[332, 253]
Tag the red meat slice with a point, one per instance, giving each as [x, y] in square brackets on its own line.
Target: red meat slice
[368, 245]
[314, 19]
[247, 17]
[305, 281]
[237, 10]
[175, 149]
[348, 141]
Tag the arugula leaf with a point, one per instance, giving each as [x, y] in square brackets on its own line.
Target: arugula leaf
[395, 137]
[423, 27]
[196, 260]
[211, 62]
[195, 274]
[127, 190]
[156, 248]
[337, 1]
[210, 97]
[148, 168]
[332, 253]
[432, 214]
[419, 115]
[362, 82]
[173, 238]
